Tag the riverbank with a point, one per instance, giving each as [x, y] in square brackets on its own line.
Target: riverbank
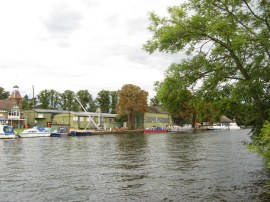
[119, 131]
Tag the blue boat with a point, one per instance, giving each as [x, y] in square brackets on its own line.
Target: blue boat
[7, 132]
[60, 132]
[80, 133]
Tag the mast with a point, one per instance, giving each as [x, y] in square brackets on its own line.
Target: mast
[88, 114]
[33, 97]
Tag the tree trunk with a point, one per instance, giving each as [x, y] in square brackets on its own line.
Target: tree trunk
[130, 120]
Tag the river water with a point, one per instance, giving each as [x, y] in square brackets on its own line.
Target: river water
[205, 166]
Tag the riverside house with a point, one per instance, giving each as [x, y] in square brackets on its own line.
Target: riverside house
[10, 113]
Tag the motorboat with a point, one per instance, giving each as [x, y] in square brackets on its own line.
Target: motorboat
[7, 132]
[234, 126]
[60, 132]
[185, 127]
[36, 131]
[218, 126]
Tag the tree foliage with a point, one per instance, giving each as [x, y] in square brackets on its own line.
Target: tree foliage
[48, 99]
[68, 101]
[103, 100]
[227, 46]
[131, 99]
[262, 143]
[86, 100]
[26, 103]
[154, 101]
[4, 94]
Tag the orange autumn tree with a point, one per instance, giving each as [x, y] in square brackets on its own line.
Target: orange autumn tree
[131, 99]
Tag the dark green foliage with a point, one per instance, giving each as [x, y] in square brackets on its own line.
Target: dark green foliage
[103, 101]
[86, 100]
[4, 94]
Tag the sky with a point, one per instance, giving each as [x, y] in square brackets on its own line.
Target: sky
[77, 45]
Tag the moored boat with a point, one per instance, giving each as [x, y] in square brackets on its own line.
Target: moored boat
[218, 126]
[234, 126]
[60, 131]
[7, 132]
[186, 127]
[80, 133]
[58, 134]
[155, 130]
[36, 131]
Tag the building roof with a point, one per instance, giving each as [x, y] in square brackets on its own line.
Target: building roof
[53, 111]
[155, 109]
[225, 119]
[93, 114]
[15, 95]
[7, 104]
[75, 113]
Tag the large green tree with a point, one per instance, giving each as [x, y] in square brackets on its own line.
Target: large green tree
[176, 99]
[131, 99]
[227, 44]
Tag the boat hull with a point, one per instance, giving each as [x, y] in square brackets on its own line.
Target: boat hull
[80, 133]
[56, 134]
[7, 132]
[7, 136]
[28, 135]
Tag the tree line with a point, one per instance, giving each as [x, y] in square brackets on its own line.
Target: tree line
[52, 99]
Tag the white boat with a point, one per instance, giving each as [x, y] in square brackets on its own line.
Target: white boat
[36, 131]
[218, 126]
[7, 132]
[234, 126]
[185, 127]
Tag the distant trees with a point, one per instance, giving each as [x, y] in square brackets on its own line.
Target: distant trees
[131, 99]
[86, 100]
[106, 101]
[68, 101]
[103, 101]
[26, 103]
[51, 99]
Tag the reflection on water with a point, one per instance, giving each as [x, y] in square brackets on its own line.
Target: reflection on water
[206, 166]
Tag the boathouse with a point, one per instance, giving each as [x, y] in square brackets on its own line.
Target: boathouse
[154, 116]
[76, 120]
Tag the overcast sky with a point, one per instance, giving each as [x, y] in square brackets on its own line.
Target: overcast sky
[79, 45]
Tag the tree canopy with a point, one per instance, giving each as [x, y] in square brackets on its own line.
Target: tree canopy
[131, 99]
[227, 46]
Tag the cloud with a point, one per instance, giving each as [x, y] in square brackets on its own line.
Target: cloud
[61, 22]
[79, 44]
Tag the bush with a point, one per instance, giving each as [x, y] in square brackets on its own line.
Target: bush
[262, 143]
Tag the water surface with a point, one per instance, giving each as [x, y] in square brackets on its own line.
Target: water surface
[207, 166]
